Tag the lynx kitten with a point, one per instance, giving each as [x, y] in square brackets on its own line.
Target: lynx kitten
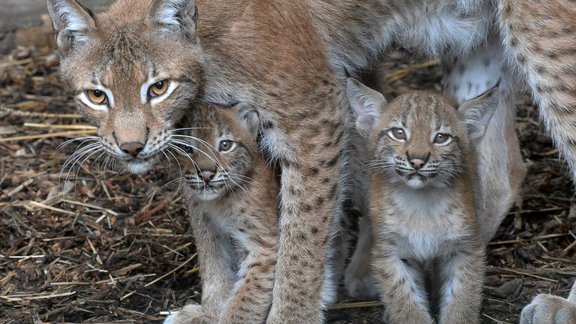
[428, 255]
[232, 197]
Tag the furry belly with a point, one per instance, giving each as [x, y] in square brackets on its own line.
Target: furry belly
[434, 27]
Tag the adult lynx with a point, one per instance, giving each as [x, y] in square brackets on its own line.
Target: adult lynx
[422, 205]
[232, 198]
[138, 66]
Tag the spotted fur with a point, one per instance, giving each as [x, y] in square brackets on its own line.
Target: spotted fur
[288, 59]
[232, 197]
[427, 254]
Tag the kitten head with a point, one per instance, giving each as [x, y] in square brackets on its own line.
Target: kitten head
[134, 70]
[421, 139]
[222, 146]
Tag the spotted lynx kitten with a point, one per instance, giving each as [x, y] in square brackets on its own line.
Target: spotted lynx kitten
[232, 197]
[428, 256]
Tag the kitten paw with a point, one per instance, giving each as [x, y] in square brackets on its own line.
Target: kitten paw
[189, 314]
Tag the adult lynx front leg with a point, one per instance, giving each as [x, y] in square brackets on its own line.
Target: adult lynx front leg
[540, 38]
[310, 191]
[501, 166]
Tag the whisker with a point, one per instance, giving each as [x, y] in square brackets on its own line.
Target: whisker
[77, 156]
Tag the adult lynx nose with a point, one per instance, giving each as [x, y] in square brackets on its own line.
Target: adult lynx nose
[132, 148]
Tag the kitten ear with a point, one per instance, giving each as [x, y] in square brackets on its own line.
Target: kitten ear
[366, 104]
[476, 113]
[248, 117]
[176, 17]
[71, 22]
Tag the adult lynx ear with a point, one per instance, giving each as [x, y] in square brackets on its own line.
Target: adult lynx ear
[176, 16]
[476, 113]
[71, 22]
[248, 117]
[366, 104]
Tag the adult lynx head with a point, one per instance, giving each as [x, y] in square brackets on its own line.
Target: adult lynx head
[224, 150]
[133, 75]
[420, 138]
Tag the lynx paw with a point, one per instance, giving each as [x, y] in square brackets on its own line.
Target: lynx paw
[548, 309]
[189, 314]
[359, 282]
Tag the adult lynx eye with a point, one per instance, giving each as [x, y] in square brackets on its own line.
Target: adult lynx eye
[159, 88]
[225, 146]
[442, 138]
[397, 133]
[97, 97]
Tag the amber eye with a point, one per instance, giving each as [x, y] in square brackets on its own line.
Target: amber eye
[442, 138]
[159, 88]
[225, 146]
[397, 133]
[97, 97]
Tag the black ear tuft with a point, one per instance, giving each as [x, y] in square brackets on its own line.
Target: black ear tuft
[71, 22]
[178, 17]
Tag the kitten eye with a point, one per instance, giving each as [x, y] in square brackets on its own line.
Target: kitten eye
[397, 133]
[442, 139]
[97, 97]
[159, 88]
[225, 146]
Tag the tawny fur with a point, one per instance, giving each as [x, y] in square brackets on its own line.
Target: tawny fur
[427, 253]
[232, 198]
[546, 308]
[288, 59]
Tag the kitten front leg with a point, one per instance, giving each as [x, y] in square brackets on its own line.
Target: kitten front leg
[215, 258]
[500, 163]
[461, 293]
[401, 287]
[252, 296]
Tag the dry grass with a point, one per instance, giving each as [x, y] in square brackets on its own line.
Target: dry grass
[103, 246]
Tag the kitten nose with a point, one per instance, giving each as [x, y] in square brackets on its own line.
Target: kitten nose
[417, 163]
[132, 148]
[206, 175]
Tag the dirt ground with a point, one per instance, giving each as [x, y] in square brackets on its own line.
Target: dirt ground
[82, 243]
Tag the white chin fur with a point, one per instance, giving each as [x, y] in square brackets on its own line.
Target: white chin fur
[207, 195]
[138, 167]
[416, 183]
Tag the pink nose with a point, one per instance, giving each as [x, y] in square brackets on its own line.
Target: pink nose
[207, 175]
[417, 163]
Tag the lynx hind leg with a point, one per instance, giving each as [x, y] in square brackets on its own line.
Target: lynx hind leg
[500, 166]
[358, 278]
[540, 39]
[549, 309]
